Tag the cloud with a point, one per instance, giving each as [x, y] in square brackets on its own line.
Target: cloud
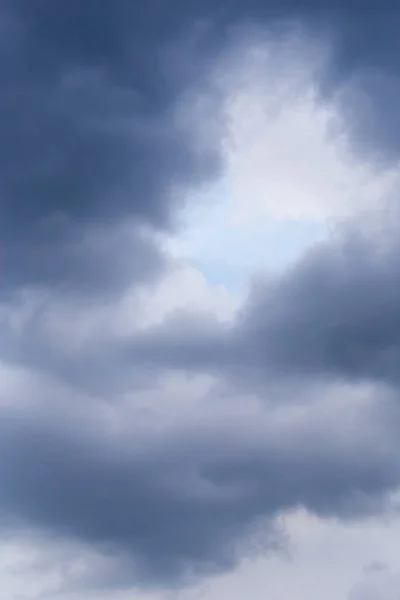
[278, 126]
[91, 127]
[97, 128]
[324, 557]
[144, 416]
[382, 585]
[186, 488]
[92, 136]
[332, 314]
[288, 169]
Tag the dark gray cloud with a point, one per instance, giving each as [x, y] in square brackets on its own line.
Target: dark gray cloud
[186, 501]
[89, 91]
[89, 136]
[92, 153]
[95, 136]
[189, 499]
[89, 129]
[97, 259]
[332, 315]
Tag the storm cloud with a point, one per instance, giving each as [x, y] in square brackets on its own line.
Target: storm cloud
[102, 135]
[90, 136]
[91, 130]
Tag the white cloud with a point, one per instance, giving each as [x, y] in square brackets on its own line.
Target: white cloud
[325, 560]
[289, 171]
[287, 151]
[379, 585]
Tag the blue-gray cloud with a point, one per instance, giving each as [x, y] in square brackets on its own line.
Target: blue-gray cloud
[90, 149]
[187, 502]
[88, 129]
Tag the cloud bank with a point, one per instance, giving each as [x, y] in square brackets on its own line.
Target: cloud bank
[147, 417]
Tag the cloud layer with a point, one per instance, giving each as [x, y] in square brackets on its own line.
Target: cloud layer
[147, 417]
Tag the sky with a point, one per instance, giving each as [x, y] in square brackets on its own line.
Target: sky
[199, 300]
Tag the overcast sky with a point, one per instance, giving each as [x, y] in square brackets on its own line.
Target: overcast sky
[199, 300]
